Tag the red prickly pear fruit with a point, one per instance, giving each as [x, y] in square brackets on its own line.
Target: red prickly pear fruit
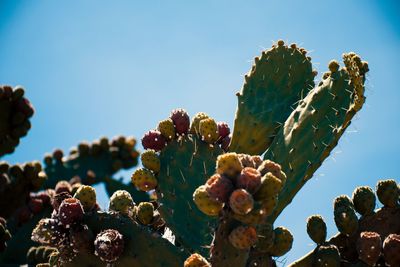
[35, 205]
[243, 237]
[219, 187]
[63, 186]
[369, 246]
[249, 179]
[223, 130]
[241, 202]
[391, 248]
[109, 245]
[181, 121]
[44, 196]
[57, 199]
[225, 143]
[70, 211]
[153, 140]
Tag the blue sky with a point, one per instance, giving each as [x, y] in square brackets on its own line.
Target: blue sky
[94, 68]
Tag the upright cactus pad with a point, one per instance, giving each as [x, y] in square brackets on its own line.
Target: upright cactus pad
[279, 78]
[313, 129]
[186, 161]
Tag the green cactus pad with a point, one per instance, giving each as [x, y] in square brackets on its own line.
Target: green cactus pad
[186, 163]
[313, 129]
[276, 82]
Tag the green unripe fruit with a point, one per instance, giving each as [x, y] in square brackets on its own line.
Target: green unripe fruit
[150, 160]
[388, 193]
[145, 212]
[327, 256]
[121, 201]
[364, 200]
[167, 129]
[194, 127]
[283, 241]
[208, 130]
[316, 229]
[87, 196]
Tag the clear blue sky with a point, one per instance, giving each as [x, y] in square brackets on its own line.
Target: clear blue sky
[94, 68]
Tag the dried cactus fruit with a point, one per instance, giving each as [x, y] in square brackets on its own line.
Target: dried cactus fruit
[109, 245]
[316, 229]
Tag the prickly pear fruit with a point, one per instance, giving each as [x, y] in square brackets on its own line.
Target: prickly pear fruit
[145, 211]
[225, 143]
[181, 121]
[364, 200]
[121, 201]
[219, 187]
[48, 232]
[345, 217]
[70, 211]
[283, 241]
[241, 202]
[391, 248]
[369, 246]
[196, 260]
[167, 128]
[270, 186]
[274, 168]
[327, 256]
[223, 130]
[249, 179]
[246, 160]
[316, 229]
[243, 237]
[208, 130]
[150, 160]
[205, 203]
[144, 179]
[87, 196]
[109, 245]
[194, 127]
[388, 193]
[63, 186]
[229, 165]
[153, 140]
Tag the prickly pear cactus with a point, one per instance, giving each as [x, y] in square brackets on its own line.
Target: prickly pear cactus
[15, 112]
[205, 190]
[362, 240]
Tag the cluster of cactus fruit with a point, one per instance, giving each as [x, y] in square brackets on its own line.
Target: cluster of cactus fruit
[204, 196]
[371, 239]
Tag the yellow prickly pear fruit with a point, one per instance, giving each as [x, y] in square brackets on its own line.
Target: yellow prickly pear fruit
[208, 130]
[196, 260]
[194, 128]
[121, 201]
[283, 241]
[270, 186]
[144, 179]
[229, 164]
[205, 203]
[150, 160]
[167, 128]
[144, 213]
[243, 237]
[87, 196]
